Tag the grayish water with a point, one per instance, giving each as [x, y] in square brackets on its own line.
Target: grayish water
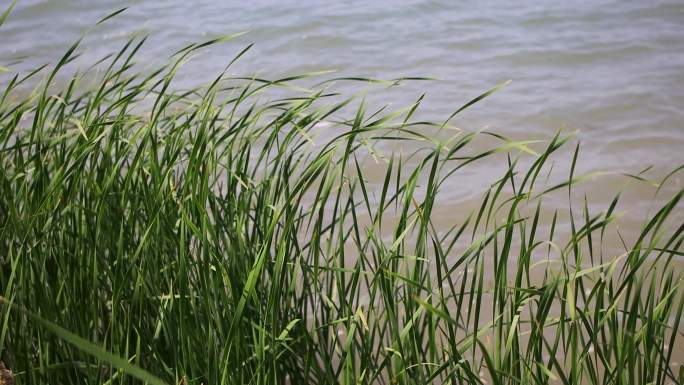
[612, 69]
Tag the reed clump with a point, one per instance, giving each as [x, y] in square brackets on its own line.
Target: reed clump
[208, 236]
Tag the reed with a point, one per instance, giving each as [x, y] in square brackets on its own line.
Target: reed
[209, 236]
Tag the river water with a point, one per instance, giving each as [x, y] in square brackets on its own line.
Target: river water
[612, 70]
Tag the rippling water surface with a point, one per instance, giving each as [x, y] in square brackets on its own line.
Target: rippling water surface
[613, 70]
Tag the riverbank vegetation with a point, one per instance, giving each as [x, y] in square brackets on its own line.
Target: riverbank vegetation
[220, 236]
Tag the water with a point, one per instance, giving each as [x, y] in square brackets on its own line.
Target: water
[612, 70]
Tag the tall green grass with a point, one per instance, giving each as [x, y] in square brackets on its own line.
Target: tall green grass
[209, 236]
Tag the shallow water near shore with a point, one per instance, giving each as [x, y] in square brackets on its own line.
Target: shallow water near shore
[606, 69]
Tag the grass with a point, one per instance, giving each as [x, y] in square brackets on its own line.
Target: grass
[151, 235]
